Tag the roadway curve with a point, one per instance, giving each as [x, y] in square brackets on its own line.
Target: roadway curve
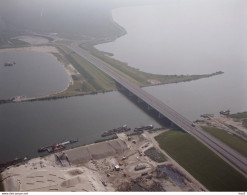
[235, 159]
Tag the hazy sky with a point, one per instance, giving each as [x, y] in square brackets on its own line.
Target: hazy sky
[90, 17]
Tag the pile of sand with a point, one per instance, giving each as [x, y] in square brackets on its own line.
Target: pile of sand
[96, 151]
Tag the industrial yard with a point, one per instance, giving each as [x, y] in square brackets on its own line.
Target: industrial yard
[128, 163]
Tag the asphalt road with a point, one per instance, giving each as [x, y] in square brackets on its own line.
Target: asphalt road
[237, 160]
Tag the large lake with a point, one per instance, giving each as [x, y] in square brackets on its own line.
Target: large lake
[188, 37]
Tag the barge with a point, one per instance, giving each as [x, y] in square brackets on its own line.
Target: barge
[122, 129]
[143, 128]
[57, 147]
[226, 113]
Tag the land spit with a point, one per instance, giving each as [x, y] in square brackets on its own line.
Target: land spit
[106, 166]
[85, 78]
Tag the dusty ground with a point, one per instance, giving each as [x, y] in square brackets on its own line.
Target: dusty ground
[97, 168]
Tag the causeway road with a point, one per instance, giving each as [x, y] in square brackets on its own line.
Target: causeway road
[231, 156]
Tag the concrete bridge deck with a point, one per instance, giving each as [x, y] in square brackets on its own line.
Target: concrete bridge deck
[237, 160]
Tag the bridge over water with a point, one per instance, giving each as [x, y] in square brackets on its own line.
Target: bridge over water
[237, 160]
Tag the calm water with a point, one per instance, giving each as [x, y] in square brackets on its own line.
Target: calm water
[34, 74]
[189, 37]
[24, 127]
[179, 37]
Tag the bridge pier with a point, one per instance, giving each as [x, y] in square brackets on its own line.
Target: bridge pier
[120, 87]
[139, 100]
[160, 116]
[130, 94]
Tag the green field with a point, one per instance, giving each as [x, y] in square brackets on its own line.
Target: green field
[214, 173]
[233, 141]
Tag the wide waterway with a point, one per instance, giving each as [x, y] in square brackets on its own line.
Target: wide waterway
[25, 127]
[188, 37]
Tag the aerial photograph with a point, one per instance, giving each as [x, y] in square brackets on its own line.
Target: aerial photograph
[123, 96]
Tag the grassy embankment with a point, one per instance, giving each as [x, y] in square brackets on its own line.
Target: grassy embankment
[214, 173]
[233, 141]
[141, 78]
[241, 117]
[90, 80]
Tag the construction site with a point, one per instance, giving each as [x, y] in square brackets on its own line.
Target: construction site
[128, 163]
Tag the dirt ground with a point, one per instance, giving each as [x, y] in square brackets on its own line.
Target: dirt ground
[127, 168]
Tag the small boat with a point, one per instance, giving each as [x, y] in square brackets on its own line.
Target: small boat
[9, 63]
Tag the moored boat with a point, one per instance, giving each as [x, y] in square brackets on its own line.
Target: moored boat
[56, 147]
[124, 128]
[227, 112]
[143, 128]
